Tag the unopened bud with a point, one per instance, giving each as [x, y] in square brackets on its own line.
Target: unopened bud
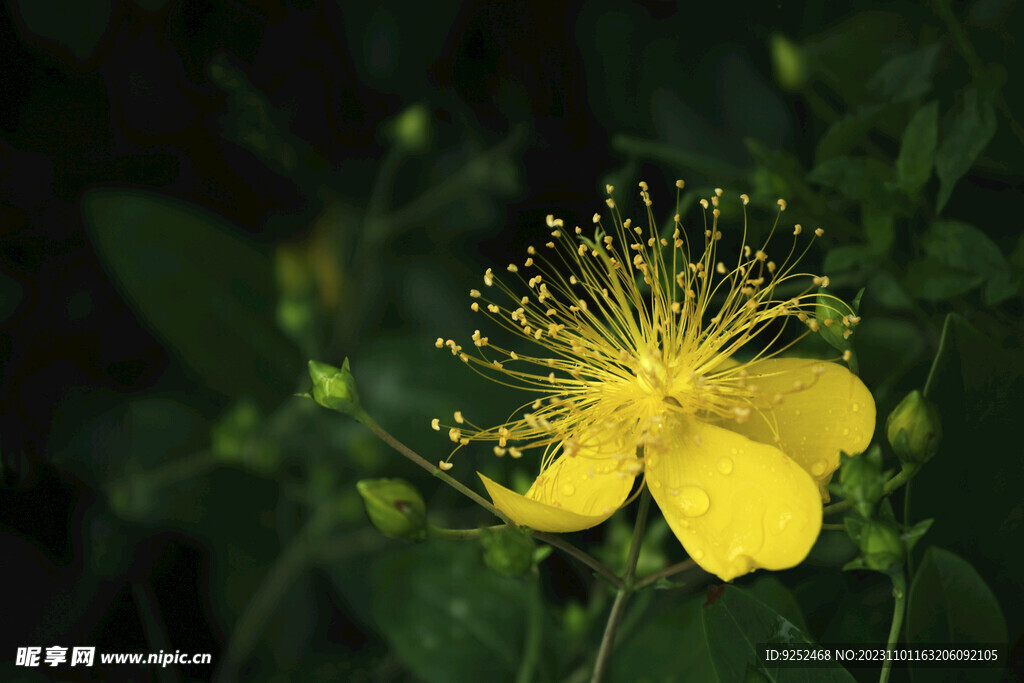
[914, 428]
[861, 480]
[881, 545]
[335, 388]
[395, 508]
[508, 551]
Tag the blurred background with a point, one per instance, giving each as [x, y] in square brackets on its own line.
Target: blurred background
[196, 198]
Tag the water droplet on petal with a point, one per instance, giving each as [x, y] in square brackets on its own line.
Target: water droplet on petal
[725, 466]
[697, 554]
[818, 467]
[652, 461]
[855, 407]
[797, 412]
[656, 484]
[846, 431]
[568, 489]
[782, 521]
[693, 501]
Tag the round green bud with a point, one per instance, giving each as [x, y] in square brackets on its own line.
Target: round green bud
[334, 388]
[394, 507]
[789, 63]
[508, 551]
[412, 128]
[914, 428]
[881, 545]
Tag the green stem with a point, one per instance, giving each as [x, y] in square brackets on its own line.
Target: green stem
[458, 534]
[625, 590]
[684, 566]
[833, 527]
[899, 592]
[550, 539]
[534, 634]
[288, 566]
[897, 481]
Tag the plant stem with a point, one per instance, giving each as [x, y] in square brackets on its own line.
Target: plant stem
[551, 540]
[897, 481]
[534, 633]
[899, 592]
[458, 534]
[684, 566]
[625, 590]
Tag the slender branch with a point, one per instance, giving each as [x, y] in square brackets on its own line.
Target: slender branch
[551, 540]
[899, 592]
[622, 596]
[459, 534]
[534, 633]
[684, 566]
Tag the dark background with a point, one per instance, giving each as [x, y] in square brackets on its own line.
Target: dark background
[362, 165]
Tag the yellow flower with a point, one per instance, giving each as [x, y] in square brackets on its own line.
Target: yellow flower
[634, 375]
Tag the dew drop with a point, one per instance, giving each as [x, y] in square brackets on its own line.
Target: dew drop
[693, 501]
[656, 484]
[568, 489]
[652, 461]
[697, 554]
[818, 468]
[797, 412]
[855, 407]
[725, 466]
[846, 431]
[783, 520]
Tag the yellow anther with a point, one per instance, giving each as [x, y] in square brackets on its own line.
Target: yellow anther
[435, 424]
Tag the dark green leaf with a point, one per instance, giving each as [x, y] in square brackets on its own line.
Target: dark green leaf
[917, 149]
[846, 257]
[879, 228]
[736, 623]
[969, 130]
[860, 179]
[847, 133]
[934, 281]
[206, 292]
[776, 596]
[907, 76]
[960, 245]
[668, 647]
[446, 615]
[950, 603]
[76, 26]
[972, 486]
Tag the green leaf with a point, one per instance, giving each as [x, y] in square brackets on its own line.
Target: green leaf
[972, 486]
[847, 133]
[669, 647]
[932, 280]
[961, 245]
[969, 130]
[77, 26]
[447, 616]
[207, 293]
[859, 179]
[907, 76]
[950, 603]
[917, 149]
[736, 623]
[846, 257]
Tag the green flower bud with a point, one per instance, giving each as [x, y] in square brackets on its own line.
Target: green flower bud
[789, 63]
[861, 480]
[508, 551]
[335, 388]
[882, 546]
[914, 428]
[395, 508]
[412, 128]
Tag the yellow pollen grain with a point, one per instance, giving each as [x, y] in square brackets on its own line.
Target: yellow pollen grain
[435, 424]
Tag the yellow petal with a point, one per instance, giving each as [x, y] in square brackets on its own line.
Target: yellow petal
[834, 412]
[575, 492]
[735, 504]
